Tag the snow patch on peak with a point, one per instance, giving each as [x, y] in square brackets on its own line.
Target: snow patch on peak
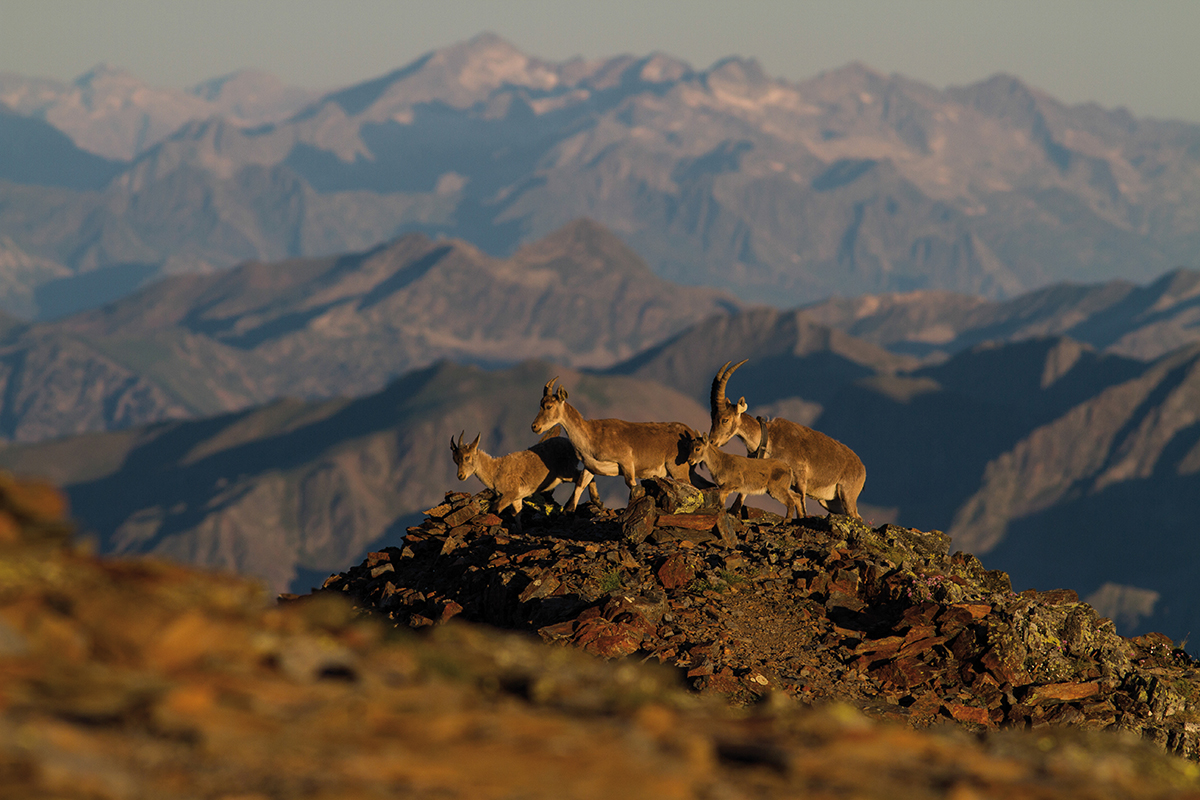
[496, 66]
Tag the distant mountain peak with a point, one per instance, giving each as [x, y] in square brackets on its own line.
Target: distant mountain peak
[459, 74]
[661, 68]
[104, 73]
[853, 72]
[486, 40]
[1001, 95]
[213, 88]
[583, 237]
[488, 61]
[739, 70]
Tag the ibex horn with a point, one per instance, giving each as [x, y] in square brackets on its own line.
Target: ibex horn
[717, 398]
[549, 390]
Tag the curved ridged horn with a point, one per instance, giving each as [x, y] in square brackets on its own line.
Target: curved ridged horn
[549, 390]
[460, 438]
[717, 397]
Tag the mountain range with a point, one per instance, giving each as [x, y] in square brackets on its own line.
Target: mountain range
[784, 193]
[1013, 446]
[112, 114]
[194, 345]
[1118, 316]
[242, 320]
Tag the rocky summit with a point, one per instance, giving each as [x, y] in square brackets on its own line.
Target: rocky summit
[137, 679]
[826, 609]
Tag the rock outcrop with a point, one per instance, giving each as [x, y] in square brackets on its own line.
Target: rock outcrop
[885, 619]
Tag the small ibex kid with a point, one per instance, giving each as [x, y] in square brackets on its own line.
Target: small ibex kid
[747, 476]
[519, 475]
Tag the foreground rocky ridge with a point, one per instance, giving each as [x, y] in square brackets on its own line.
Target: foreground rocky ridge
[139, 679]
[884, 619]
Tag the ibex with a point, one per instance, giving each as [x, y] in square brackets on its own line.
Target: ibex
[615, 447]
[835, 475]
[519, 475]
[747, 476]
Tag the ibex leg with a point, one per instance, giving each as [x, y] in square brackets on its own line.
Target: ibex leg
[584, 481]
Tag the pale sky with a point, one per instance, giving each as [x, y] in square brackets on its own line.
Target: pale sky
[1141, 54]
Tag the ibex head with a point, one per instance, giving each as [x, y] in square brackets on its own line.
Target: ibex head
[464, 455]
[697, 445]
[552, 410]
[725, 415]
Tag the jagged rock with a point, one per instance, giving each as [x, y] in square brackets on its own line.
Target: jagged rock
[673, 497]
[675, 572]
[638, 520]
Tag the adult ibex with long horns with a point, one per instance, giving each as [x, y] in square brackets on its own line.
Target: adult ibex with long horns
[523, 473]
[835, 474]
[632, 450]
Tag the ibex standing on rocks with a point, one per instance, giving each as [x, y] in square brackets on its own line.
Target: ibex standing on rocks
[615, 447]
[523, 473]
[747, 476]
[835, 475]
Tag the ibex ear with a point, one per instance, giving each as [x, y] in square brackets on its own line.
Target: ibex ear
[476, 442]
[453, 446]
[562, 394]
[742, 405]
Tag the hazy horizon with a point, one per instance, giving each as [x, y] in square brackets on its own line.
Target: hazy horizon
[1138, 56]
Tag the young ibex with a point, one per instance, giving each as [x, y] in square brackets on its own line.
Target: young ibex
[615, 447]
[747, 476]
[519, 475]
[835, 475]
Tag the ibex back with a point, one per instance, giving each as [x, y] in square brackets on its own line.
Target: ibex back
[834, 474]
[632, 450]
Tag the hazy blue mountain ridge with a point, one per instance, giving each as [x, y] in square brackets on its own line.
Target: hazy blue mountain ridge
[1119, 316]
[195, 345]
[851, 182]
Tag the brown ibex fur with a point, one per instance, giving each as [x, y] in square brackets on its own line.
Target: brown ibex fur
[835, 474]
[632, 450]
[747, 476]
[519, 475]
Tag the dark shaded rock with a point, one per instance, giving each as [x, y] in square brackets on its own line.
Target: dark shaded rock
[668, 535]
[638, 520]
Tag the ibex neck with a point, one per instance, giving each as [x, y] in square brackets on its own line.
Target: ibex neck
[576, 427]
[716, 458]
[486, 468]
[750, 432]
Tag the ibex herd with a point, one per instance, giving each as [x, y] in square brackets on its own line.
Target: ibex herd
[787, 462]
